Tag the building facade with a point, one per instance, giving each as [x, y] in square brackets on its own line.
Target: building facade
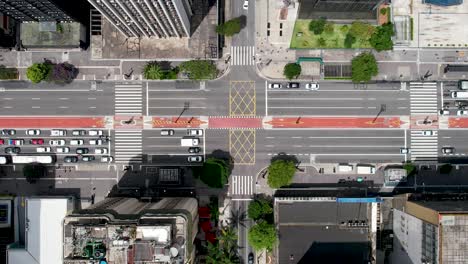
[147, 18]
[33, 11]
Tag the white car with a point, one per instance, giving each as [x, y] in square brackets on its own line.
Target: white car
[63, 150]
[462, 112]
[246, 4]
[76, 142]
[275, 86]
[404, 150]
[33, 132]
[95, 142]
[58, 132]
[195, 132]
[107, 159]
[57, 142]
[448, 150]
[428, 133]
[312, 86]
[43, 149]
[95, 133]
[100, 151]
[195, 159]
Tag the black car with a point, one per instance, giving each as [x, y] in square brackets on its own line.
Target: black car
[70, 159]
[251, 258]
[12, 150]
[9, 132]
[82, 151]
[194, 149]
[292, 85]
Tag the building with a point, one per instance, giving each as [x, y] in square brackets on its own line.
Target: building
[33, 11]
[431, 228]
[147, 18]
[314, 229]
[339, 9]
[126, 230]
[38, 229]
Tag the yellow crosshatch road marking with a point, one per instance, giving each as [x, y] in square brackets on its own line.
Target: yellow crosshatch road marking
[242, 146]
[242, 98]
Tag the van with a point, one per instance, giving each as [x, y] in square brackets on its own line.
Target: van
[365, 169]
[459, 94]
[463, 84]
[345, 168]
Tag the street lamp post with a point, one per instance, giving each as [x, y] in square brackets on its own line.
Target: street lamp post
[186, 107]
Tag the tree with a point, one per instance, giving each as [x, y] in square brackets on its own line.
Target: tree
[229, 28]
[361, 30]
[292, 70]
[262, 236]
[349, 41]
[329, 27]
[259, 208]
[152, 71]
[63, 73]
[363, 67]
[317, 26]
[382, 38]
[280, 173]
[199, 69]
[38, 72]
[228, 239]
[214, 173]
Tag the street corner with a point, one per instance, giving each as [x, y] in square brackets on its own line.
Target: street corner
[179, 122]
[424, 122]
[457, 122]
[128, 122]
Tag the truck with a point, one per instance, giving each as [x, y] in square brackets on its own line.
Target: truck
[189, 142]
[365, 169]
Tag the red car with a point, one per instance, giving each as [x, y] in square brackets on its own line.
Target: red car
[2, 141]
[37, 141]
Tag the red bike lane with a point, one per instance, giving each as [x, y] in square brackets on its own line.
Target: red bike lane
[52, 122]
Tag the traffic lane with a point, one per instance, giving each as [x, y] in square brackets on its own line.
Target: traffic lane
[170, 103]
[457, 139]
[217, 142]
[381, 87]
[299, 102]
[243, 225]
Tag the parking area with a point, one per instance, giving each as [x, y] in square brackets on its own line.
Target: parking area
[64, 146]
[174, 146]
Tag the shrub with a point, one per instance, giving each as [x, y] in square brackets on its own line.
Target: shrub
[329, 27]
[383, 11]
[317, 26]
[349, 41]
[8, 73]
[38, 72]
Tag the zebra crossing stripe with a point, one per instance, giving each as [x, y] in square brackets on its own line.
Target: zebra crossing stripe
[128, 99]
[242, 55]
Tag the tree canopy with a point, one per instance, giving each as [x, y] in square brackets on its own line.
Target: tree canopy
[230, 27]
[292, 70]
[258, 208]
[63, 72]
[214, 173]
[38, 72]
[317, 26]
[199, 69]
[152, 71]
[382, 38]
[262, 236]
[363, 67]
[280, 173]
[361, 30]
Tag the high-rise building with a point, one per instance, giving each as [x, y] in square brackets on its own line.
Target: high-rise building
[33, 10]
[147, 18]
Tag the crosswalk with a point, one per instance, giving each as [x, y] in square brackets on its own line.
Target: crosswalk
[128, 99]
[128, 146]
[242, 186]
[424, 147]
[423, 98]
[242, 55]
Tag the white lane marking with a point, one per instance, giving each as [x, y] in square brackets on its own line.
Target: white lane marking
[35, 107]
[63, 107]
[35, 98]
[64, 98]
[91, 98]
[92, 107]
[7, 107]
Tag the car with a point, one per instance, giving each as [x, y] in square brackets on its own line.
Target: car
[95, 141]
[275, 86]
[246, 4]
[404, 150]
[70, 159]
[57, 142]
[95, 132]
[448, 150]
[341, 181]
[88, 158]
[33, 132]
[462, 112]
[312, 86]
[428, 133]
[82, 151]
[16, 142]
[194, 149]
[194, 158]
[62, 150]
[79, 132]
[250, 258]
[36, 141]
[100, 151]
[2, 141]
[58, 132]
[195, 132]
[75, 142]
[43, 149]
[293, 85]
[167, 132]
[9, 132]
[444, 112]
[359, 179]
[12, 150]
[107, 159]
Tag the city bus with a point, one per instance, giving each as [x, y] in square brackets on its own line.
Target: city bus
[32, 159]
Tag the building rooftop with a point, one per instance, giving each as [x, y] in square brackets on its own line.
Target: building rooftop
[338, 9]
[52, 35]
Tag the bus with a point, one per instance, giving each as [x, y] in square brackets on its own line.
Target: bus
[32, 159]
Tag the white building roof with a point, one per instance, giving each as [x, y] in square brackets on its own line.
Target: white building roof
[44, 232]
